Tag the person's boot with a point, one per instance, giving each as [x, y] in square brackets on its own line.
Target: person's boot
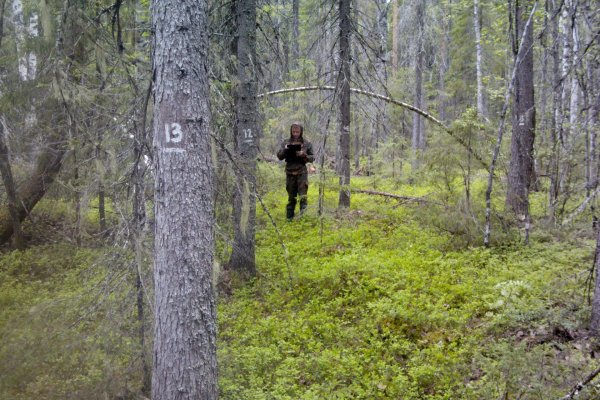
[302, 209]
[303, 204]
[290, 213]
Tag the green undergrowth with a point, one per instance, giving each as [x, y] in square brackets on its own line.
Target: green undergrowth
[369, 303]
[67, 324]
[390, 299]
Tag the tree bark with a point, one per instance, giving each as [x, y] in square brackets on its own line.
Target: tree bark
[523, 121]
[555, 124]
[139, 224]
[243, 258]
[444, 60]
[574, 103]
[418, 133]
[11, 192]
[185, 364]
[480, 104]
[48, 165]
[344, 85]
[5, 168]
[509, 89]
[295, 30]
[595, 318]
[27, 60]
[395, 34]
[381, 28]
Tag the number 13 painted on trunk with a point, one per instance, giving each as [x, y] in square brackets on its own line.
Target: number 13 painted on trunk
[173, 133]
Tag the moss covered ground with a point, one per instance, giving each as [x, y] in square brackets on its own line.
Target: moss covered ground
[381, 301]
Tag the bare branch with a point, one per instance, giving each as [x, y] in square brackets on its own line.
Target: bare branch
[581, 207]
[397, 196]
[389, 100]
[581, 385]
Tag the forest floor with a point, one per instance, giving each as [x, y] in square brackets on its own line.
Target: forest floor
[385, 300]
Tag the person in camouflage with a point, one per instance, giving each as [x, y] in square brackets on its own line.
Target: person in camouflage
[297, 152]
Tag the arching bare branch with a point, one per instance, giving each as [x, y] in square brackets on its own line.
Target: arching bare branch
[389, 100]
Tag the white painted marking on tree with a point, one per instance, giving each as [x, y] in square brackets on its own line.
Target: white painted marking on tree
[173, 133]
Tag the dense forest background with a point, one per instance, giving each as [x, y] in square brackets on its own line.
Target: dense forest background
[450, 248]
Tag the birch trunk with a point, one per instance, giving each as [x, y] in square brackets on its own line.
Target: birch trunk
[27, 61]
[480, 106]
[574, 104]
[566, 52]
[185, 364]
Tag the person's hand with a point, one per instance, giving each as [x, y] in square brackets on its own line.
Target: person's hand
[300, 153]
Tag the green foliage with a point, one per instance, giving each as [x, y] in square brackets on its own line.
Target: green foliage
[374, 302]
[67, 325]
[374, 305]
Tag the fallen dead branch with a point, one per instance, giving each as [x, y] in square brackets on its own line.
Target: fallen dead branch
[397, 196]
[575, 391]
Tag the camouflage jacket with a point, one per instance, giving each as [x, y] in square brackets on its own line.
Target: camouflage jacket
[294, 164]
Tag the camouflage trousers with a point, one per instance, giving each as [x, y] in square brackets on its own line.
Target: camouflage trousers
[296, 186]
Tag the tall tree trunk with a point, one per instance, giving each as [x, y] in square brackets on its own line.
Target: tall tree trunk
[418, 133]
[523, 121]
[566, 52]
[574, 104]
[381, 28]
[54, 112]
[139, 227]
[295, 30]
[48, 165]
[521, 51]
[395, 34]
[357, 142]
[185, 363]
[543, 80]
[444, 60]
[595, 318]
[11, 192]
[101, 193]
[344, 85]
[5, 168]
[139, 222]
[594, 113]
[480, 105]
[246, 139]
[75, 183]
[555, 122]
[594, 108]
[27, 60]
